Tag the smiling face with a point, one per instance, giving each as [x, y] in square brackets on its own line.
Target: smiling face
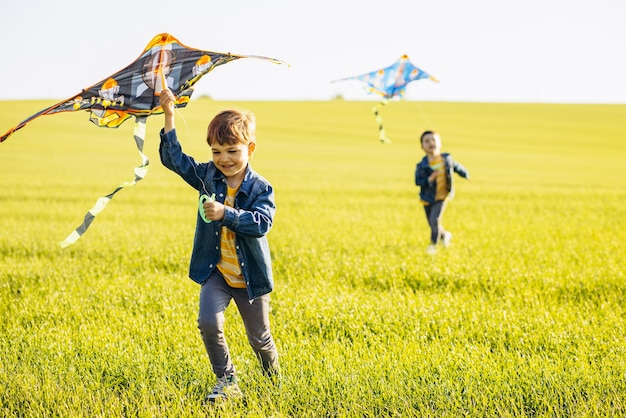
[231, 135]
[232, 160]
[431, 143]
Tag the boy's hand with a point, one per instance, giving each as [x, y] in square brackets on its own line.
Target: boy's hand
[213, 210]
[167, 100]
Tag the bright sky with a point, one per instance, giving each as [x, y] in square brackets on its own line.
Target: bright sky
[567, 51]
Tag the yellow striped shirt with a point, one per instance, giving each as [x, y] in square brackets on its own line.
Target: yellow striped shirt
[438, 166]
[229, 263]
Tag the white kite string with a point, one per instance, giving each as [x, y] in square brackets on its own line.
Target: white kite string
[193, 166]
[204, 197]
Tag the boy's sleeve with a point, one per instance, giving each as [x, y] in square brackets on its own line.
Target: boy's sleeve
[421, 175]
[173, 157]
[460, 170]
[258, 220]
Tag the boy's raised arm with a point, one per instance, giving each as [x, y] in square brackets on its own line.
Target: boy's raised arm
[166, 99]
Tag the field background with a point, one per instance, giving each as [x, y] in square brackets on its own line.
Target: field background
[522, 316]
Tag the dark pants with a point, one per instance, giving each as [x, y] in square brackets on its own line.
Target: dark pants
[215, 296]
[434, 215]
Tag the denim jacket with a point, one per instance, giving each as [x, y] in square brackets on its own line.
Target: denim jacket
[428, 189]
[250, 219]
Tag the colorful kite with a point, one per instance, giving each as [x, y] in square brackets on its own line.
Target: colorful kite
[134, 91]
[390, 82]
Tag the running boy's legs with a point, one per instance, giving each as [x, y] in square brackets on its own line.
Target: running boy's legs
[215, 295]
[434, 215]
[256, 318]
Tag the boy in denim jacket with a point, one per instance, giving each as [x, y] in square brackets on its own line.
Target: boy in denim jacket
[434, 176]
[230, 257]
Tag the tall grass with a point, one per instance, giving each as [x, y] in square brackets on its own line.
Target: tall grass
[522, 316]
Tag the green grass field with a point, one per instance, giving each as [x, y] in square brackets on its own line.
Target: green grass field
[524, 315]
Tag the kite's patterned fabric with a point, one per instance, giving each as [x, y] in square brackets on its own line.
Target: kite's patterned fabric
[134, 91]
[390, 82]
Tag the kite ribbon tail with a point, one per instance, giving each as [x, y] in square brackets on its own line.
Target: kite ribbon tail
[379, 119]
[140, 173]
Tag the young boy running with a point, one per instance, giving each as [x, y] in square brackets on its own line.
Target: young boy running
[230, 258]
[434, 176]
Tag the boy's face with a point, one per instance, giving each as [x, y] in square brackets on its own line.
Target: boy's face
[232, 160]
[431, 143]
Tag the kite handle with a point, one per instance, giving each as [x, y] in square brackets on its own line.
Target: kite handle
[205, 198]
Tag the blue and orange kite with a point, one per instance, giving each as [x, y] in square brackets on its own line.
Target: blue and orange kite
[390, 82]
[134, 91]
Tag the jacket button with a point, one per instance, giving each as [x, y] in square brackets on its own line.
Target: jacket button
[211, 265]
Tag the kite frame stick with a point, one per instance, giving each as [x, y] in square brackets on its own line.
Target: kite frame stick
[160, 69]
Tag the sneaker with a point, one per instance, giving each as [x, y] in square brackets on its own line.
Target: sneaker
[431, 249]
[445, 240]
[225, 388]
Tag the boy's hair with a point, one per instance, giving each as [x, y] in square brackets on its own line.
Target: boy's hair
[232, 127]
[426, 133]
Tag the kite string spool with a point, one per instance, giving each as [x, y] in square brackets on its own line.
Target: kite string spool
[205, 198]
[429, 123]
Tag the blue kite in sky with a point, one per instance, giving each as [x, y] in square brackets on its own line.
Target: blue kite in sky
[165, 63]
[390, 83]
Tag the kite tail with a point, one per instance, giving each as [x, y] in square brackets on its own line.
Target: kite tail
[381, 131]
[140, 173]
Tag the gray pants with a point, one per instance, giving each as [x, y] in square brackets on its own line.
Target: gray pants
[434, 214]
[215, 296]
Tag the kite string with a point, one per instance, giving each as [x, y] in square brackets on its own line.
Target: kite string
[204, 197]
[164, 86]
[429, 124]
[191, 162]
